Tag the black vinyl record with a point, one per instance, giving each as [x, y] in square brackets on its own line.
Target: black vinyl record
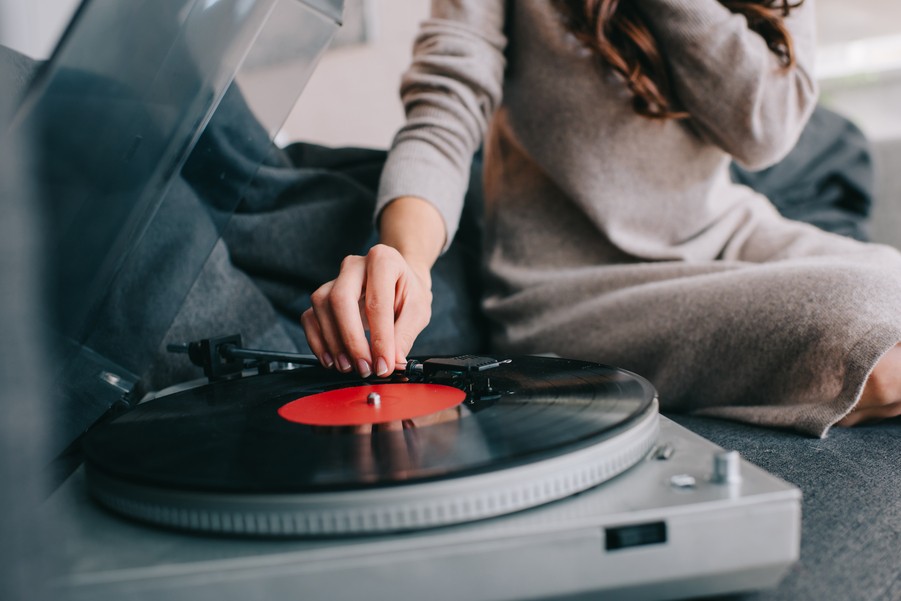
[229, 437]
[312, 452]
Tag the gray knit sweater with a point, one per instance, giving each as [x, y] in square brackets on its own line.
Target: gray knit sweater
[620, 239]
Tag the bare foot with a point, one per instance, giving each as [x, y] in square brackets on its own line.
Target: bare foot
[881, 398]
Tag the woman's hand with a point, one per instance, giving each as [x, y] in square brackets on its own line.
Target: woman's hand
[380, 292]
[388, 292]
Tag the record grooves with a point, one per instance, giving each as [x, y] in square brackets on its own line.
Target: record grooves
[224, 458]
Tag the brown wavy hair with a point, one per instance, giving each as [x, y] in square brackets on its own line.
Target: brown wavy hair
[616, 32]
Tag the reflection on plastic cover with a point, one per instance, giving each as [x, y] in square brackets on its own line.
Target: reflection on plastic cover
[132, 146]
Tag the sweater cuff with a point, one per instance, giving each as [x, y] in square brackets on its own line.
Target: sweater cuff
[416, 168]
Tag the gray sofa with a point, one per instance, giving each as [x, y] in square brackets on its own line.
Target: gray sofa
[851, 481]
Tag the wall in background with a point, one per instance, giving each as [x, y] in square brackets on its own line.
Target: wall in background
[352, 98]
[33, 26]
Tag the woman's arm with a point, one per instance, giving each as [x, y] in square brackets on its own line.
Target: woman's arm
[729, 81]
[449, 93]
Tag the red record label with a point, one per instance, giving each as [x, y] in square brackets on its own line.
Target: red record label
[375, 404]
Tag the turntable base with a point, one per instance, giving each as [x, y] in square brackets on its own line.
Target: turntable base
[661, 530]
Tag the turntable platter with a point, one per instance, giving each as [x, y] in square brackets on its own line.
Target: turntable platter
[312, 452]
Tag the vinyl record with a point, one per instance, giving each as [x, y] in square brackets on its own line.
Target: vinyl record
[311, 451]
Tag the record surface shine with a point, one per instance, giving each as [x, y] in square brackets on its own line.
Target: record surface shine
[229, 437]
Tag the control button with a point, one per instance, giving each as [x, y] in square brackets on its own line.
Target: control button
[663, 452]
[726, 467]
[683, 481]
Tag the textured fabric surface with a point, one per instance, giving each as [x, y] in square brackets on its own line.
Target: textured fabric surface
[621, 239]
[851, 517]
[827, 179]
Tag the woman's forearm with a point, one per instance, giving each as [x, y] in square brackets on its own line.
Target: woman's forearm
[450, 92]
[416, 229]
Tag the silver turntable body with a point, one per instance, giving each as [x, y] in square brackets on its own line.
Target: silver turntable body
[689, 519]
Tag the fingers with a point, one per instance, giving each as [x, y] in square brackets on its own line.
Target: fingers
[380, 292]
[398, 307]
[384, 273]
[322, 324]
[315, 339]
[344, 303]
[333, 326]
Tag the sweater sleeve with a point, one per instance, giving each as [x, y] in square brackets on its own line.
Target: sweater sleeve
[733, 86]
[449, 93]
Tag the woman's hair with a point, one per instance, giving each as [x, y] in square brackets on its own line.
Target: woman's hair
[616, 32]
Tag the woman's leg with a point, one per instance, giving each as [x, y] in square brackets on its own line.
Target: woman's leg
[790, 343]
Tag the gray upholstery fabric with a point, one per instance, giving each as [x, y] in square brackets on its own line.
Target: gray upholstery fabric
[851, 510]
[826, 180]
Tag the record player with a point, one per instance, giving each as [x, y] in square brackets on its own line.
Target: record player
[458, 477]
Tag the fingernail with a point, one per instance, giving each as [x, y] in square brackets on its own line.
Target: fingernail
[343, 363]
[363, 368]
[381, 367]
[327, 360]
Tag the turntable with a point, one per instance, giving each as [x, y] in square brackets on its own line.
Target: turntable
[535, 478]
[459, 477]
